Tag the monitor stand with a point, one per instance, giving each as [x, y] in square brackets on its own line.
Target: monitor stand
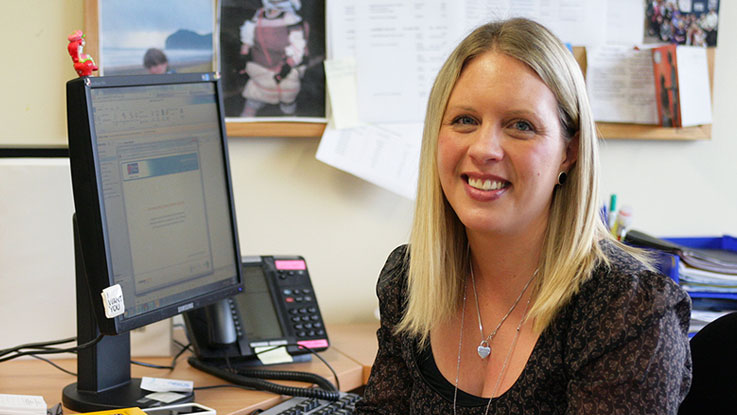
[103, 370]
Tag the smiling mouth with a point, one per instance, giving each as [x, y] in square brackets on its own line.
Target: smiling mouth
[486, 184]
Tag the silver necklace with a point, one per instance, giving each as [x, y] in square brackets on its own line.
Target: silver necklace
[484, 348]
[506, 359]
[460, 343]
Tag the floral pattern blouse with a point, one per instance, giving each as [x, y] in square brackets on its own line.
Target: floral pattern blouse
[620, 346]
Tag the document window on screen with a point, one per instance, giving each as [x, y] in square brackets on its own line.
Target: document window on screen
[163, 198]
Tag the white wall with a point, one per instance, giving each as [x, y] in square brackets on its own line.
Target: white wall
[685, 188]
[289, 203]
[35, 68]
[36, 253]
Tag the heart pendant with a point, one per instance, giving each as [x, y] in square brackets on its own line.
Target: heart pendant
[484, 351]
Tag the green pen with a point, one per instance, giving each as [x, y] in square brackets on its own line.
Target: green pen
[612, 210]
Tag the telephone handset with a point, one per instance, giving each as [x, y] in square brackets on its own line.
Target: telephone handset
[277, 307]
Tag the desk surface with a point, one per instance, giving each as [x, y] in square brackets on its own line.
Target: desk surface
[34, 377]
[357, 341]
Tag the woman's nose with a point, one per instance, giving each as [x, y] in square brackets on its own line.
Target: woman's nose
[487, 145]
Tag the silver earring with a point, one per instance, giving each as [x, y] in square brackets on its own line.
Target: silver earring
[562, 177]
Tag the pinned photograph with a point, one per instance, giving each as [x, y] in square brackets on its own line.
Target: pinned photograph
[272, 54]
[156, 37]
[682, 22]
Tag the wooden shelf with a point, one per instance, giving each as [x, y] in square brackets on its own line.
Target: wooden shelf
[616, 131]
[274, 129]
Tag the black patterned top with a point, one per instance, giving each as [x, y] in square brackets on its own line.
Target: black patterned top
[619, 346]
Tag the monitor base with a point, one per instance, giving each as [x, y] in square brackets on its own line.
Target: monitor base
[124, 396]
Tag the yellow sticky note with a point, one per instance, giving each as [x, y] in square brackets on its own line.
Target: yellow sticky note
[269, 355]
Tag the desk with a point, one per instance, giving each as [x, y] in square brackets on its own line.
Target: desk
[358, 342]
[34, 377]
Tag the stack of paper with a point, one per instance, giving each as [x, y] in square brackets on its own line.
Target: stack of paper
[696, 279]
[22, 405]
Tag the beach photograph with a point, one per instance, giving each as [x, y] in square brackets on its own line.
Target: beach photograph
[156, 37]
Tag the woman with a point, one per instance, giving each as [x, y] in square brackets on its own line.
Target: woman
[512, 297]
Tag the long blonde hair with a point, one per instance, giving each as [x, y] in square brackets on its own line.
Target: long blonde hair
[438, 253]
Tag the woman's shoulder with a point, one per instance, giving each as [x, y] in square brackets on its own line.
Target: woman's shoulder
[392, 285]
[626, 275]
[393, 271]
[623, 336]
[625, 298]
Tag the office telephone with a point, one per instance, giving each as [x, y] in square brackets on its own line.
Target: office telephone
[276, 308]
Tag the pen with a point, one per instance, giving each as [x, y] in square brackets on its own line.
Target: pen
[604, 215]
[612, 210]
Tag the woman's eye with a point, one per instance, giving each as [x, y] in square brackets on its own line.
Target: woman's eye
[522, 126]
[464, 120]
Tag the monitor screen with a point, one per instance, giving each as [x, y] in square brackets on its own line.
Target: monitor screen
[153, 194]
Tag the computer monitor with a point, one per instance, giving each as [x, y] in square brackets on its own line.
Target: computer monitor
[155, 229]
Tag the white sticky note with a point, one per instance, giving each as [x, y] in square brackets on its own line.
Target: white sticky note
[166, 385]
[166, 397]
[112, 299]
[340, 75]
[269, 355]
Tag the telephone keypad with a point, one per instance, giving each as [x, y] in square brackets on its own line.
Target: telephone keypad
[299, 300]
[306, 322]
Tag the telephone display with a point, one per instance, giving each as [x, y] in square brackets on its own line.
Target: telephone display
[256, 301]
[277, 307]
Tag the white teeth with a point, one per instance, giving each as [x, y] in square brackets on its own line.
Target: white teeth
[485, 184]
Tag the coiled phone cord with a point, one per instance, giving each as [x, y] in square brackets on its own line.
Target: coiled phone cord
[254, 378]
[288, 375]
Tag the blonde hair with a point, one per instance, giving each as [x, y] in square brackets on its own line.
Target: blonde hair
[439, 254]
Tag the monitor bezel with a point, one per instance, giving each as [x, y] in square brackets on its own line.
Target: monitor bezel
[87, 189]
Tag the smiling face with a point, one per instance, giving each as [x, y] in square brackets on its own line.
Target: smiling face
[501, 147]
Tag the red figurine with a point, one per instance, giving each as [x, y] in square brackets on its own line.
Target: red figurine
[83, 63]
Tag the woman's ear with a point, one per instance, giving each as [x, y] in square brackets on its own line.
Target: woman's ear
[571, 153]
